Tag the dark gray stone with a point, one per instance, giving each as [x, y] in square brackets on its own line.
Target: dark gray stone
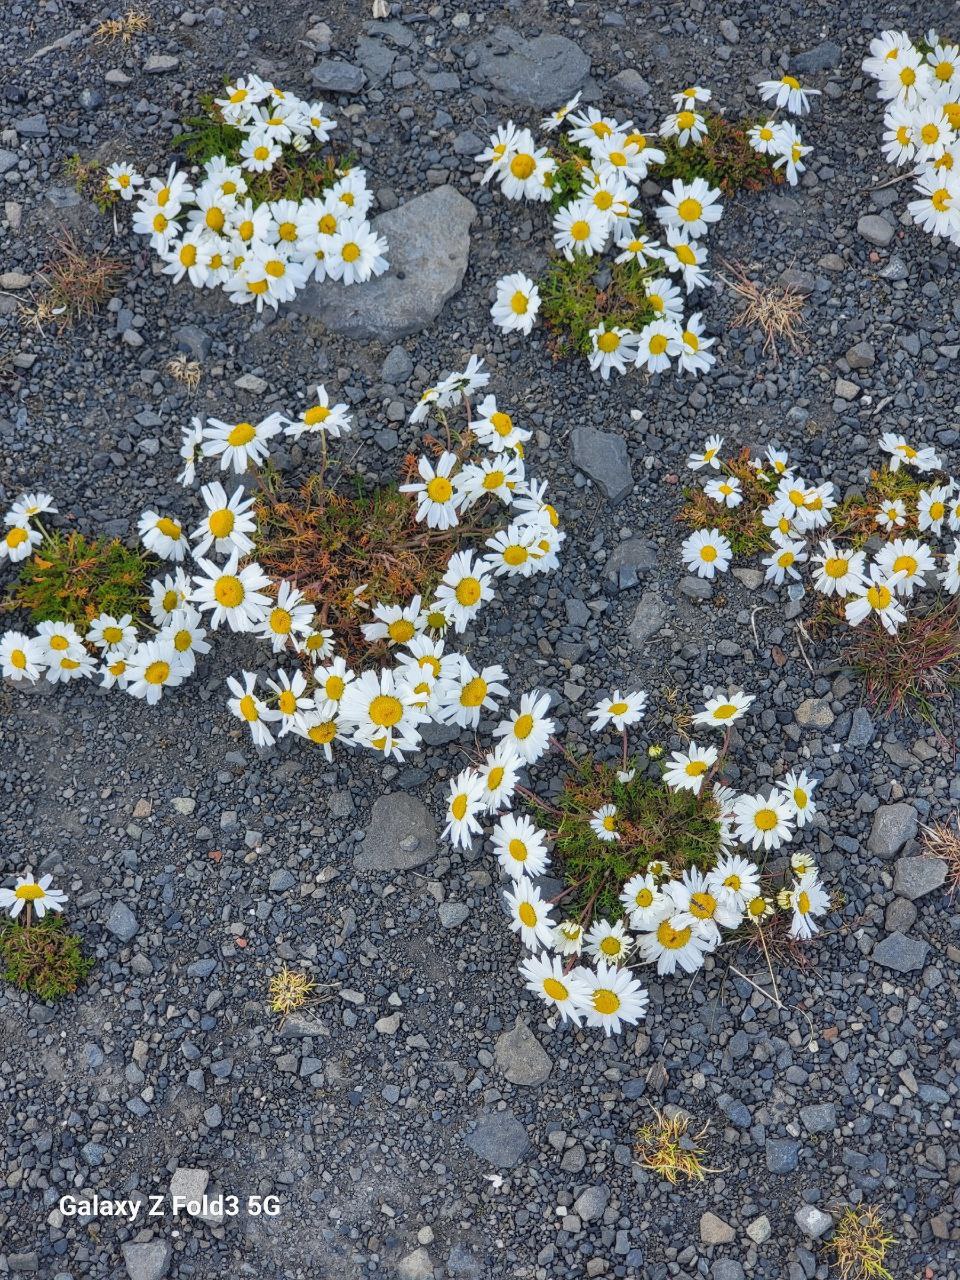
[590, 1204]
[629, 86]
[900, 952]
[782, 1155]
[862, 731]
[861, 356]
[819, 1117]
[150, 1261]
[542, 72]
[520, 1056]
[499, 1138]
[401, 835]
[875, 229]
[814, 713]
[914, 877]
[900, 916]
[375, 57]
[813, 1222]
[331, 75]
[121, 922]
[7, 160]
[429, 245]
[894, 826]
[604, 458]
[649, 619]
[824, 57]
[192, 340]
[397, 367]
[34, 126]
[453, 914]
[159, 64]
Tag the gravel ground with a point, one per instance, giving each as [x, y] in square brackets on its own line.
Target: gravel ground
[407, 1127]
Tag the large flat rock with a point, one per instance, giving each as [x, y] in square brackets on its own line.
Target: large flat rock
[401, 835]
[429, 245]
[541, 72]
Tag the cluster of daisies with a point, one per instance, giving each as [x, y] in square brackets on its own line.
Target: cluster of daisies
[142, 657]
[614, 158]
[217, 236]
[319, 697]
[671, 917]
[799, 515]
[920, 85]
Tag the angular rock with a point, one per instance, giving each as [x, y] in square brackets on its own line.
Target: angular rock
[604, 458]
[590, 1204]
[499, 1138]
[626, 563]
[150, 1261]
[401, 835]
[159, 64]
[814, 713]
[452, 914]
[861, 356]
[714, 1230]
[819, 1117]
[862, 731]
[876, 230]
[32, 126]
[192, 340]
[7, 160]
[429, 244]
[189, 1183]
[397, 367]
[900, 952]
[759, 1229]
[900, 916]
[520, 1056]
[629, 86]
[914, 877]
[782, 1155]
[375, 58]
[463, 1265]
[416, 1266]
[894, 826]
[824, 57]
[331, 75]
[813, 1222]
[121, 922]
[542, 72]
[649, 619]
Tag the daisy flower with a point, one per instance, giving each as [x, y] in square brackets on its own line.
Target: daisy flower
[875, 594]
[644, 901]
[950, 577]
[167, 595]
[807, 898]
[496, 429]
[152, 667]
[798, 790]
[788, 93]
[520, 846]
[58, 639]
[191, 450]
[637, 248]
[614, 347]
[922, 459]
[691, 206]
[608, 941]
[383, 712]
[330, 685]
[837, 570]
[709, 457]
[694, 904]
[65, 667]
[259, 152]
[892, 513]
[565, 992]
[725, 490]
[29, 505]
[552, 122]
[591, 124]
[248, 706]
[687, 257]
[670, 945]
[685, 770]
[706, 552]
[163, 536]
[516, 305]
[603, 824]
[228, 522]
[764, 138]
[290, 616]
[21, 656]
[465, 806]
[396, 624]
[620, 710]
[579, 228]
[686, 125]
[464, 590]
[764, 822]
[437, 496]
[240, 444]
[518, 173]
[665, 299]
[567, 938]
[31, 894]
[529, 727]
[722, 711]
[530, 916]
[734, 880]
[232, 595]
[355, 253]
[188, 637]
[463, 695]
[786, 553]
[503, 144]
[932, 506]
[321, 418]
[905, 561]
[611, 998]
[512, 550]
[18, 541]
[123, 179]
[657, 342]
[790, 155]
[108, 632]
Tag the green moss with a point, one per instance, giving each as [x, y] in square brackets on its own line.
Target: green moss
[72, 578]
[583, 294]
[724, 158]
[44, 959]
[654, 823]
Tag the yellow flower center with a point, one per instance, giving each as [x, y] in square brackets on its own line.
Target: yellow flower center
[170, 601]
[835, 567]
[261, 152]
[519, 303]
[323, 732]
[580, 230]
[522, 165]
[169, 527]
[725, 711]
[468, 591]
[287, 231]
[689, 209]
[527, 914]
[188, 255]
[608, 341]
[685, 255]
[515, 554]
[702, 905]
[280, 621]
[473, 692]
[644, 898]
[611, 946]
[523, 726]
[59, 643]
[518, 850]
[18, 659]
[159, 222]
[672, 939]
[221, 522]
[708, 553]
[401, 630]
[905, 564]
[327, 224]
[276, 268]
[603, 200]
[287, 702]
[16, 536]
[248, 708]
[385, 710]
[439, 489]
[350, 251]
[937, 510]
[495, 778]
[459, 807]
[182, 641]
[228, 591]
[765, 819]
[241, 434]
[28, 892]
[555, 989]
[941, 199]
[605, 1000]
[803, 902]
[157, 672]
[214, 218]
[113, 635]
[658, 344]
[686, 120]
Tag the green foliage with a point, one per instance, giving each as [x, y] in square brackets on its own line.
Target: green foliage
[724, 158]
[583, 294]
[43, 959]
[742, 525]
[654, 823]
[295, 176]
[567, 179]
[73, 578]
[90, 179]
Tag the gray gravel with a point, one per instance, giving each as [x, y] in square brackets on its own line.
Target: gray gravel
[406, 1124]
